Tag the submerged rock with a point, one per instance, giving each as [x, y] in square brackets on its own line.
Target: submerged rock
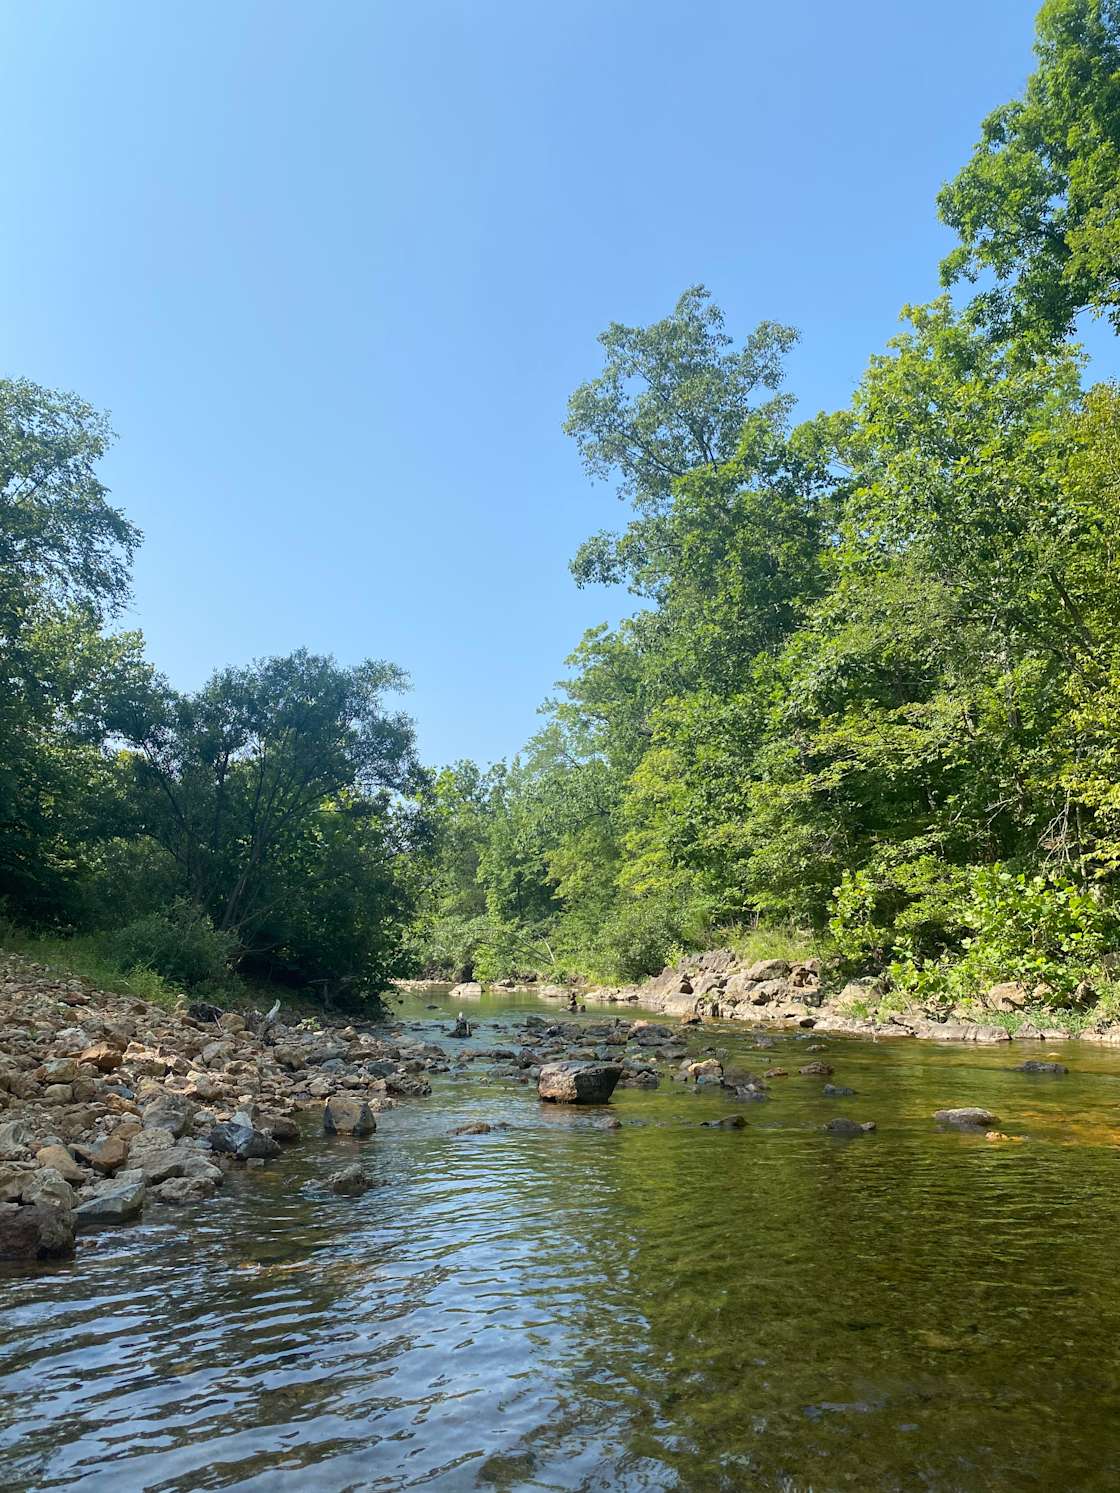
[981, 1119]
[480, 1127]
[1033, 1066]
[729, 1122]
[820, 1070]
[350, 1180]
[837, 1091]
[578, 1083]
[844, 1127]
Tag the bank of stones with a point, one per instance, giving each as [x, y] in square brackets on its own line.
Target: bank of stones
[110, 1105]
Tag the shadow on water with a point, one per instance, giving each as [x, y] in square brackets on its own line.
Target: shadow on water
[558, 1306]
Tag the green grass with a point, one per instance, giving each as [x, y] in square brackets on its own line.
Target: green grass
[86, 956]
[753, 944]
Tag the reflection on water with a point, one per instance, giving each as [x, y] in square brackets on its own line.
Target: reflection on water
[558, 1306]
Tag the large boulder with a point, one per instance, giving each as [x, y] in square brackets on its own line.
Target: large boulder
[347, 1116]
[578, 1083]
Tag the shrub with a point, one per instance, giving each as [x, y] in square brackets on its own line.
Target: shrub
[1040, 930]
[181, 944]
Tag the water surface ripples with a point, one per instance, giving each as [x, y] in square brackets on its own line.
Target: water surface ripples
[559, 1306]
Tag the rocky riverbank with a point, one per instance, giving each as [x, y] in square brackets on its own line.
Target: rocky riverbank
[110, 1105]
[719, 985]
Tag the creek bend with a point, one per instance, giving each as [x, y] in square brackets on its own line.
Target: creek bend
[556, 1305]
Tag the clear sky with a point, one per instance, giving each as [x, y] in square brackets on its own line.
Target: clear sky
[334, 266]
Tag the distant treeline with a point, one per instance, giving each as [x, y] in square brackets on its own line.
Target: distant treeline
[872, 690]
[262, 824]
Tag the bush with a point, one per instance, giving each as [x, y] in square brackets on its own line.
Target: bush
[1039, 930]
[181, 944]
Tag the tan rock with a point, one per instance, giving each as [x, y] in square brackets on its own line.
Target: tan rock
[61, 1160]
[103, 1055]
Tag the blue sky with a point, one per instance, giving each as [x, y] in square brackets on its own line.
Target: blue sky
[334, 266]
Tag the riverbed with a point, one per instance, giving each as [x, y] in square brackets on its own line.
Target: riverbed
[557, 1305]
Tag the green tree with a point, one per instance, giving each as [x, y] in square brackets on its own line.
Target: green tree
[227, 779]
[1038, 205]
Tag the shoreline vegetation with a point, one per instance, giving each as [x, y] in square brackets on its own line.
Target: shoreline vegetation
[870, 691]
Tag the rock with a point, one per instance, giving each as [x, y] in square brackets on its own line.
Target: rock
[578, 1083]
[242, 1141]
[122, 1200]
[105, 1156]
[708, 1069]
[146, 1141]
[837, 1091]
[157, 1155]
[19, 1232]
[845, 1127]
[15, 1138]
[280, 1127]
[103, 1056]
[480, 1127]
[349, 1180]
[768, 969]
[35, 1233]
[819, 1070]
[204, 1012]
[62, 1162]
[1033, 1066]
[729, 1122]
[976, 1118]
[48, 1186]
[776, 1073]
[56, 1230]
[468, 990]
[168, 1112]
[176, 1190]
[1010, 996]
[959, 1031]
[343, 1116]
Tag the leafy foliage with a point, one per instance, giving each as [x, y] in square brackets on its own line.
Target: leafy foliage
[1038, 205]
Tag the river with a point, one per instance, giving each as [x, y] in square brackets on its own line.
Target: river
[560, 1306]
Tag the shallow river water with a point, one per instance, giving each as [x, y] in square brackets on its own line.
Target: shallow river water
[560, 1306]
